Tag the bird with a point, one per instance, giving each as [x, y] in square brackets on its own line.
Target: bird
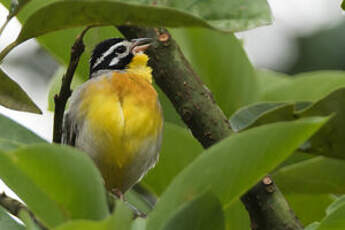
[115, 116]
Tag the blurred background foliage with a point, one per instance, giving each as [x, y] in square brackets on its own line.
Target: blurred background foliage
[236, 78]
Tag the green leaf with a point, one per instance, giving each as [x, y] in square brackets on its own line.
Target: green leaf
[232, 160]
[237, 217]
[13, 96]
[329, 139]
[203, 213]
[335, 205]
[309, 207]
[296, 157]
[139, 224]
[29, 223]
[221, 62]
[174, 157]
[229, 15]
[335, 220]
[233, 15]
[16, 134]
[138, 201]
[306, 87]
[312, 226]
[268, 79]
[6, 145]
[7, 222]
[121, 219]
[343, 5]
[250, 115]
[321, 175]
[58, 183]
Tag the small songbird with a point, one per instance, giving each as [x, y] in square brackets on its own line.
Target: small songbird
[116, 116]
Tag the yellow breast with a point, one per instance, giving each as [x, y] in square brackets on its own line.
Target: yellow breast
[123, 113]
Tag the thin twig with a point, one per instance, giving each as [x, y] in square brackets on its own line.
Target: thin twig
[65, 90]
[14, 207]
[4, 25]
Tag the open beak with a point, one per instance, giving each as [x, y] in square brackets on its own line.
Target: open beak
[139, 45]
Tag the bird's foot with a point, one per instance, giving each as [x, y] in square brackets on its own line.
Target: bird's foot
[118, 193]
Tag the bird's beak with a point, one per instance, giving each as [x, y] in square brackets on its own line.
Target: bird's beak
[139, 45]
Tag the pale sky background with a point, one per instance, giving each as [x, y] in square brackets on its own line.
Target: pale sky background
[266, 47]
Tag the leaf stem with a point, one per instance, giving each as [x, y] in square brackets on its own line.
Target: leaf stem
[4, 25]
[8, 48]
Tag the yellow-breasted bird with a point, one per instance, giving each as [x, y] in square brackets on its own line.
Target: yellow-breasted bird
[116, 116]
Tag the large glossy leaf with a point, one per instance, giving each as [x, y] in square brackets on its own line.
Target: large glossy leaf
[335, 219]
[321, 175]
[228, 162]
[312, 226]
[14, 97]
[309, 207]
[230, 15]
[28, 221]
[139, 201]
[261, 113]
[121, 219]
[179, 148]
[57, 183]
[328, 141]
[202, 213]
[68, 14]
[336, 204]
[268, 79]
[16, 133]
[265, 112]
[226, 15]
[221, 62]
[7, 222]
[139, 224]
[236, 216]
[309, 86]
[296, 157]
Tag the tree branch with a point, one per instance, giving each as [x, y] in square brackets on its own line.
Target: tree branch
[65, 90]
[265, 202]
[195, 104]
[174, 75]
[15, 207]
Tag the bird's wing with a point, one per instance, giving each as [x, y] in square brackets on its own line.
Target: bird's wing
[69, 130]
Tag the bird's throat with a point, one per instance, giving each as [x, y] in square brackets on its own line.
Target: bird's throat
[138, 66]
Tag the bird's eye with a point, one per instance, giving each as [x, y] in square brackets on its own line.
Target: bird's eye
[120, 49]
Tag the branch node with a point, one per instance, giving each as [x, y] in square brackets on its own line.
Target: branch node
[164, 37]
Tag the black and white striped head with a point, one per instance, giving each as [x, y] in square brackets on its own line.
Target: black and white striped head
[116, 54]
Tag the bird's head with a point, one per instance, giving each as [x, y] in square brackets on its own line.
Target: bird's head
[116, 54]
